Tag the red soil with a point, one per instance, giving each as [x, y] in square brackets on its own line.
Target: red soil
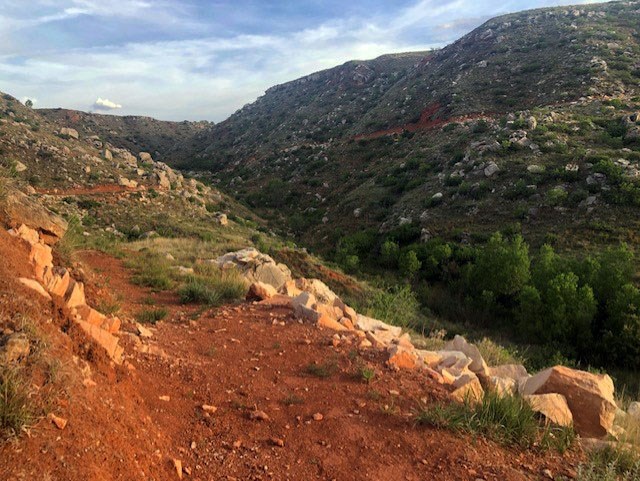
[240, 358]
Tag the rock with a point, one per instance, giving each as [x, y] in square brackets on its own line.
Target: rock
[460, 344]
[261, 291]
[634, 410]
[124, 182]
[15, 347]
[318, 288]
[491, 169]
[69, 133]
[19, 167]
[35, 286]
[590, 397]
[259, 416]
[17, 208]
[554, 407]
[145, 157]
[535, 169]
[532, 123]
[107, 155]
[105, 339]
[468, 389]
[143, 331]
[207, 408]
[502, 386]
[177, 464]
[277, 442]
[163, 181]
[368, 324]
[74, 296]
[222, 219]
[59, 422]
[41, 257]
[402, 358]
[256, 267]
[318, 417]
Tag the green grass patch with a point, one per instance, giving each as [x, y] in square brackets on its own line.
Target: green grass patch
[16, 410]
[508, 420]
[212, 287]
[610, 464]
[151, 316]
[152, 270]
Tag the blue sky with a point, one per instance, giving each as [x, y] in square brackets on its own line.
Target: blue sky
[203, 59]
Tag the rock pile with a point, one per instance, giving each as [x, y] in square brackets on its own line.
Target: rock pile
[564, 396]
[56, 284]
[256, 267]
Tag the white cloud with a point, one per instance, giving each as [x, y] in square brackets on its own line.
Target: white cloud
[105, 104]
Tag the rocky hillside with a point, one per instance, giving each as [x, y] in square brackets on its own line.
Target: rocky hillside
[513, 62]
[134, 133]
[530, 119]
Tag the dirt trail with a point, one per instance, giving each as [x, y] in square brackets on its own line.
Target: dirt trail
[246, 357]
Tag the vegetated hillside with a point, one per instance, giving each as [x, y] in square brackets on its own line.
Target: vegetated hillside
[513, 62]
[135, 133]
[311, 109]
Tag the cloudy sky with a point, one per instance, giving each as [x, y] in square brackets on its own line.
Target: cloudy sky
[203, 59]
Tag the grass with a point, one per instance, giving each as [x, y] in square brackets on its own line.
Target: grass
[367, 374]
[152, 271]
[151, 316]
[213, 287]
[508, 420]
[323, 370]
[16, 410]
[109, 307]
[610, 464]
[292, 400]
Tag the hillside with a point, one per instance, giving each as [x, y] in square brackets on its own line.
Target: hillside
[134, 133]
[515, 62]
[478, 136]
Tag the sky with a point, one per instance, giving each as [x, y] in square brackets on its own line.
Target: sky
[204, 59]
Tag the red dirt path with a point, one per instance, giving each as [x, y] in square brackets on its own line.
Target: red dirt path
[239, 358]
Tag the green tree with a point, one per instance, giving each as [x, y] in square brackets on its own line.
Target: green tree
[29, 103]
[408, 263]
[502, 266]
[389, 252]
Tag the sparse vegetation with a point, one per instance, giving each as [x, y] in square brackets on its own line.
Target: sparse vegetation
[152, 316]
[323, 370]
[16, 408]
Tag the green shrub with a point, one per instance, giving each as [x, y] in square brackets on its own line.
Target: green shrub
[610, 464]
[408, 263]
[152, 270]
[213, 287]
[397, 306]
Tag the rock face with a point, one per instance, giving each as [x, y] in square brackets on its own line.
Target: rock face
[589, 397]
[554, 407]
[256, 267]
[17, 208]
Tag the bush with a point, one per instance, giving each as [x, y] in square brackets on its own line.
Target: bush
[152, 271]
[389, 252]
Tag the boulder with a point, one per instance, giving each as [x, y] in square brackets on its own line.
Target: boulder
[105, 339]
[163, 181]
[401, 357]
[35, 286]
[68, 133]
[318, 288]
[17, 208]
[256, 267]
[467, 388]
[107, 155]
[502, 386]
[368, 324]
[260, 291]
[74, 297]
[510, 371]
[222, 219]
[41, 257]
[491, 169]
[145, 157]
[129, 184]
[460, 344]
[554, 407]
[589, 397]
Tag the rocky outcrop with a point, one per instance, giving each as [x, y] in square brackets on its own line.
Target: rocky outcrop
[18, 209]
[256, 267]
[56, 284]
[552, 406]
[590, 397]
